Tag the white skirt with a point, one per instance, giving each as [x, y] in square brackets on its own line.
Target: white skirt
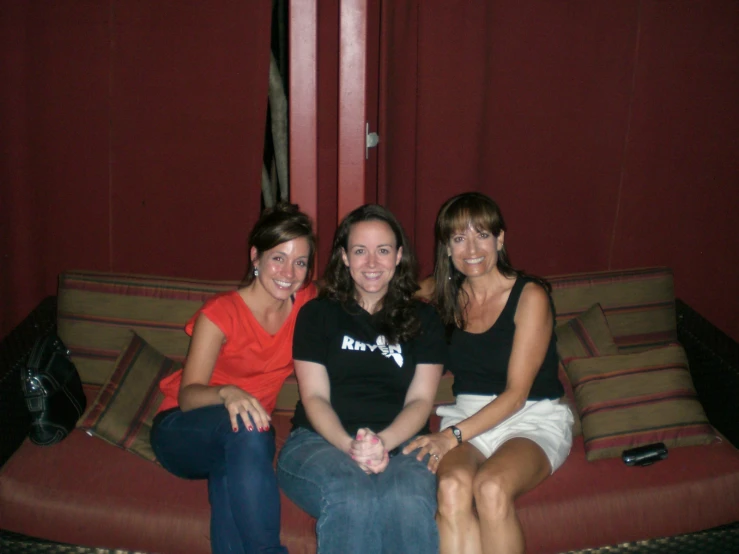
[548, 423]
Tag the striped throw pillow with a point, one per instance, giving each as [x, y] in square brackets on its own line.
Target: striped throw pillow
[124, 409]
[639, 304]
[585, 336]
[96, 311]
[629, 400]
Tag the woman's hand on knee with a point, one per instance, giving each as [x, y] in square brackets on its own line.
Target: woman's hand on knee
[435, 445]
[241, 404]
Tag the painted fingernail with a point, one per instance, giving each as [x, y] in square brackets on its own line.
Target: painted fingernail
[236, 429]
[250, 428]
[375, 440]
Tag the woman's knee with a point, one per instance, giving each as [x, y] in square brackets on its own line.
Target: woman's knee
[493, 500]
[454, 492]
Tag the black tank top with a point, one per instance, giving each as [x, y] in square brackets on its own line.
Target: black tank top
[479, 361]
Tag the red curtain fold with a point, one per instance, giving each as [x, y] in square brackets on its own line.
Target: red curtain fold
[607, 132]
[132, 139]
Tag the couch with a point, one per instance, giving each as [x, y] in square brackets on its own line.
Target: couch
[632, 355]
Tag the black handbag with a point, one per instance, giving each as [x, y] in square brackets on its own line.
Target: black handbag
[53, 391]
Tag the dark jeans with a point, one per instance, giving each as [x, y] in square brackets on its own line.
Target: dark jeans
[388, 513]
[242, 487]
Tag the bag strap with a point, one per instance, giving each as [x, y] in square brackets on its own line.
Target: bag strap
[37, 352]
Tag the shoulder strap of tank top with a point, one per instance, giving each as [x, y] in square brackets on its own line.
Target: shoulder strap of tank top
[512, 304]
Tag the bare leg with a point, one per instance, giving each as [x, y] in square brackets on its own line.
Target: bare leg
[516, 467]
[459, 529]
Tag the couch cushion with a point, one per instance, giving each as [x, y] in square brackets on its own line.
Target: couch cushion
[102, 496]
[639, 304]
[99, 495]
[630, 400]
[124, 409]
[96, 311]
[589, 504]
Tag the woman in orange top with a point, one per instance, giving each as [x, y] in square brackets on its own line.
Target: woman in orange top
[214, 423]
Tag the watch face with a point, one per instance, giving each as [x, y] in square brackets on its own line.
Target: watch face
[457, 433]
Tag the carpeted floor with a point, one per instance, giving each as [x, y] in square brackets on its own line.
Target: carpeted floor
[723, 540]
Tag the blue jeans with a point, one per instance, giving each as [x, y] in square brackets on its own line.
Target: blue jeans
[242, 487]
[391, 512]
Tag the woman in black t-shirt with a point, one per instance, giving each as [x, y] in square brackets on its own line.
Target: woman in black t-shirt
[507, 430]
[368, 359]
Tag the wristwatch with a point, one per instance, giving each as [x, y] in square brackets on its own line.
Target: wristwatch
[457, 433]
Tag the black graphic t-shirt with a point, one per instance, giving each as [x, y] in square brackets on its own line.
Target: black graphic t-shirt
[369, 378]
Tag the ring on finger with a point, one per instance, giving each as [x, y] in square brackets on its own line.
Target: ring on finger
[435, 456]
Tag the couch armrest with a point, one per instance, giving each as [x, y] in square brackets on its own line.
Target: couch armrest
[714, 366]
[14, 351]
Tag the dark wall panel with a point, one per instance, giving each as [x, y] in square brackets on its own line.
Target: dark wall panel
[54, 127]
[328, 127]
[527, 102]
[132, 139]
[189, 112]
[681, 193]
[607, 131]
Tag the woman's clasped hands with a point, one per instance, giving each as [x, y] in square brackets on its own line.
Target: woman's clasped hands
[369, 452]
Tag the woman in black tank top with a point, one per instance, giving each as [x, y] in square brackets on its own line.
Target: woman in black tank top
[507, 430]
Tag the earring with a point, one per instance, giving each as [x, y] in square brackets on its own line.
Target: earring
[256, 272]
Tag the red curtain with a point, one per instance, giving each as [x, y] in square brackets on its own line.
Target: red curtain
[132, 140]
[607, 132]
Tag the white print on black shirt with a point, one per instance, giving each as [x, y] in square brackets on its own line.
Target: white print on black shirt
[393, 351]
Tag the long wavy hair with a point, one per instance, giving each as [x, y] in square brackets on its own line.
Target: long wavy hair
[280, 223]
[397, 319]
[457, 214]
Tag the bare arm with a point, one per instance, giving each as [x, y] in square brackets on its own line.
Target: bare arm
[315, 393]
[419, 401]
[195, 392]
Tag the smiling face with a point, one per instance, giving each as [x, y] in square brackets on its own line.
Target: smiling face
[371, 256]
[474, 253]
[282, 269]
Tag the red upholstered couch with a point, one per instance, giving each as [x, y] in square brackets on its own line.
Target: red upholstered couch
[85, 491]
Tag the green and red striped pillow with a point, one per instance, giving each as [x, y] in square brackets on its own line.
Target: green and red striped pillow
[639, 304]
[96, 311]
[585, 336]
[123, 411]
[629, 400]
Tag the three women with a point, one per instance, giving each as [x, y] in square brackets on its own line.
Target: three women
[368, 358]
